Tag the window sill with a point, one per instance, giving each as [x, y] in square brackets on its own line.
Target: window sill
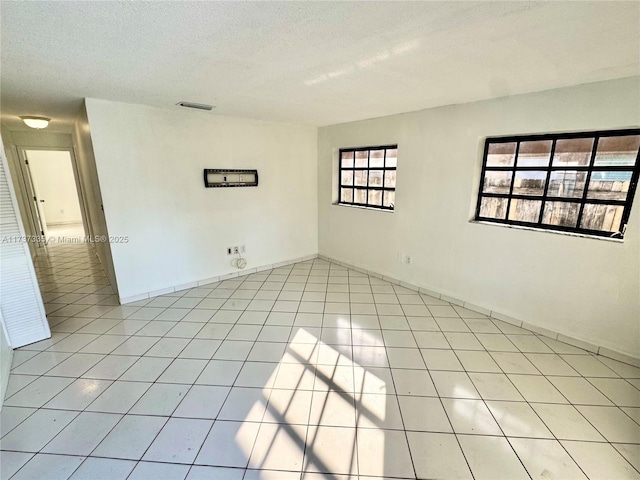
[383, 210]
[541, 230]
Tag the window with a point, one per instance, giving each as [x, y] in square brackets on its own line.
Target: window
[367, 177]
[572, 182]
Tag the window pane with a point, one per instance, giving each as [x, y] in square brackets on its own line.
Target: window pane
[360, 196]
[390, 178]
[567, 183]
[347, 195]
[621, 150]
[347, 159]
[561, 213]
[376, 159]
[573, 151]
[602, 217]
[585, 186]
[493, 207]
[392, 157]
[501, 154]
[524, 210]
[609, 185]
[361, 178]
[534, 154]
[375, 178]
[389, 199]
[497, 182]
[375, 197]
[347, 177]
[529, 182]
[361, 159]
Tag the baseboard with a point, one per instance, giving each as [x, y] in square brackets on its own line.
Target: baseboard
[207, 281]
[560, 336]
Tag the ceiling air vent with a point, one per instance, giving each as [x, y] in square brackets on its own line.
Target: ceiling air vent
[199, 106]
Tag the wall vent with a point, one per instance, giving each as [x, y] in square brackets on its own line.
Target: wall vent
[199, 106]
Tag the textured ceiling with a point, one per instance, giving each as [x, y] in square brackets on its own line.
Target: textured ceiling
[316, 63]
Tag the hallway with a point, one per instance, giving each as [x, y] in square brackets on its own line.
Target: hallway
[299, 371]
[65, 233]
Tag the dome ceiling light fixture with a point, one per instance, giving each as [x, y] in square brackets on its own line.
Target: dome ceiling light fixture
[36, 122]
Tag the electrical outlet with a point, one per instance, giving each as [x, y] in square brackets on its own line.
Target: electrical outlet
[236, 250]
[409, 260]
[229, 250]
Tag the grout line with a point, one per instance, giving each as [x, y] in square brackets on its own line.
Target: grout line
[396, 290]
[404, 425]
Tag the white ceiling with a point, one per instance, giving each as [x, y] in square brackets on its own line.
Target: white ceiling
[316, 63]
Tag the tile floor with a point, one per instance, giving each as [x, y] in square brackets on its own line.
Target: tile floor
[58, 233]
[309, 371]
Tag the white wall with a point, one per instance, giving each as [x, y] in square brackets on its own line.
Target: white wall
[41, 139]
[582, 287]
[52, 173]
[90, 188]
[150, 164]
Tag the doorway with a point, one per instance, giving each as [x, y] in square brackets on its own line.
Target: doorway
[57, 208]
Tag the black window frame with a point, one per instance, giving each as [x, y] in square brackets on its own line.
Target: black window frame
[583, 200]
[366, 188]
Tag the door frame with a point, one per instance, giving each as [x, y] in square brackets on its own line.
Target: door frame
[82, 200]
[38, 209]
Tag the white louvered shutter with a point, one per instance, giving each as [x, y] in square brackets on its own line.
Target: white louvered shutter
[20, 300]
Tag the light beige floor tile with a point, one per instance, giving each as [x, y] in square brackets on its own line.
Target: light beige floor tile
[425, 414]
[47, 466]
[437, 455]
[619, 391]
[612, 423]
[331, 450]
[279, 447]
[536, 388]
[378, 411]
[600, 460]
[180, 440]
[518, 419]
[103, 468]
[11, 462]
[383, 453]
[546, 459]
[551, 364]
[470, 416]
[579, 391]
[491, 458]
[631, 452]
[83, 434]
[566, 423]
[37, 430]
[495, 386]
[413, 382]
[131, 437]
[454, 385]
[219, 450]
